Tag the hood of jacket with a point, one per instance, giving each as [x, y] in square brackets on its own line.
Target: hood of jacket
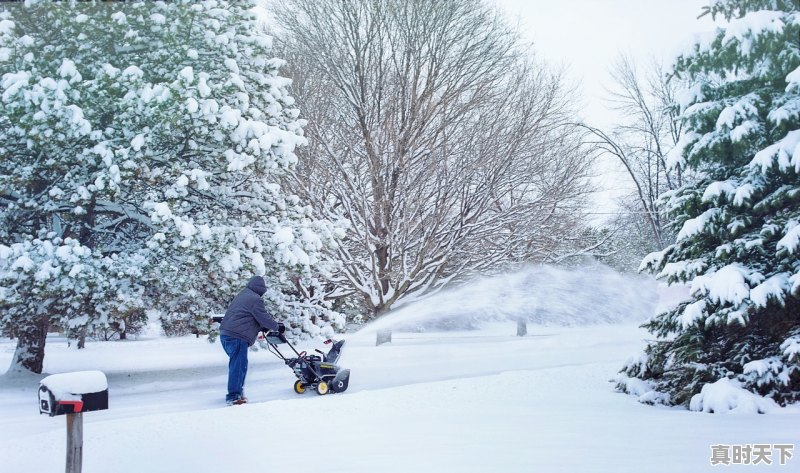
[257, 285]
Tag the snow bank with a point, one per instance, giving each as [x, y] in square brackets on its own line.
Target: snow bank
[640, 388]
[727, 395]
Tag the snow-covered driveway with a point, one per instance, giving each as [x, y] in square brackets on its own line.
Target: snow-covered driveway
[469, 401]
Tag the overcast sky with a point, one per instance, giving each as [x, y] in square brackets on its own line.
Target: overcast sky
[588, 36]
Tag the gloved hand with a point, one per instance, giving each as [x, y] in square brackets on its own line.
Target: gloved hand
[281, 327]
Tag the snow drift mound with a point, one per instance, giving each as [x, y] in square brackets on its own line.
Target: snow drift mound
[544, 295]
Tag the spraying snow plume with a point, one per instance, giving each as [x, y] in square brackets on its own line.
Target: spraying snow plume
[541, 295]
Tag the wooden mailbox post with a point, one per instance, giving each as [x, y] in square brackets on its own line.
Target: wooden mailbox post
[72, 394]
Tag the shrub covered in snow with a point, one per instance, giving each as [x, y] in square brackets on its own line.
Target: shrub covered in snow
[726, 395]
[738, 227]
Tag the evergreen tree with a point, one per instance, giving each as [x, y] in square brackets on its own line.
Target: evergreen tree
[738, 227]
[142, 148]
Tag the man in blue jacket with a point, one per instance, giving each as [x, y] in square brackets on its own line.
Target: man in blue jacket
[245, 317]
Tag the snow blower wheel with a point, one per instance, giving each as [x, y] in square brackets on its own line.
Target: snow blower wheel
[322, 388]
[299, 388]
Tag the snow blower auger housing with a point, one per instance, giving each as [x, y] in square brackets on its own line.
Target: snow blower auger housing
[317, 372]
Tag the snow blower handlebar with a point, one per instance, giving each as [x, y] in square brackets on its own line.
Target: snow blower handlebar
[274, 338]
[274, 334]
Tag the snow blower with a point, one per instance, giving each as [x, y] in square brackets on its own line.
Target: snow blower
[318, 372]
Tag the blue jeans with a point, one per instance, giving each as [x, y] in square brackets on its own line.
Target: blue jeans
[237, 366]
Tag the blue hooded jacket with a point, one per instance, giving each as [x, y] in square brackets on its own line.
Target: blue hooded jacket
[246, 315]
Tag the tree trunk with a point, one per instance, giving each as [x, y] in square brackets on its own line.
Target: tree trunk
[30, 346]
[82, 339]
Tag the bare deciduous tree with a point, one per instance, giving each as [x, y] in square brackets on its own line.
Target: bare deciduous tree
[648, 132]
[436, 136]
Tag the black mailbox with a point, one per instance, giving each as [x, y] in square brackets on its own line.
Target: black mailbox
[72, 393]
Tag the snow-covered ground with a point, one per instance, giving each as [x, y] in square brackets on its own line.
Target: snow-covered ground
[477, 401]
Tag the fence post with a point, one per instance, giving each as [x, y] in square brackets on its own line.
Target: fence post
[522, 327]
[383, 336]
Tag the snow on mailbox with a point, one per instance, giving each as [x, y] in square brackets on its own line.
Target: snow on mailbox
[72, 393]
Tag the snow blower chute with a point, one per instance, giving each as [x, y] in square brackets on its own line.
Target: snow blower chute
[318, 372]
